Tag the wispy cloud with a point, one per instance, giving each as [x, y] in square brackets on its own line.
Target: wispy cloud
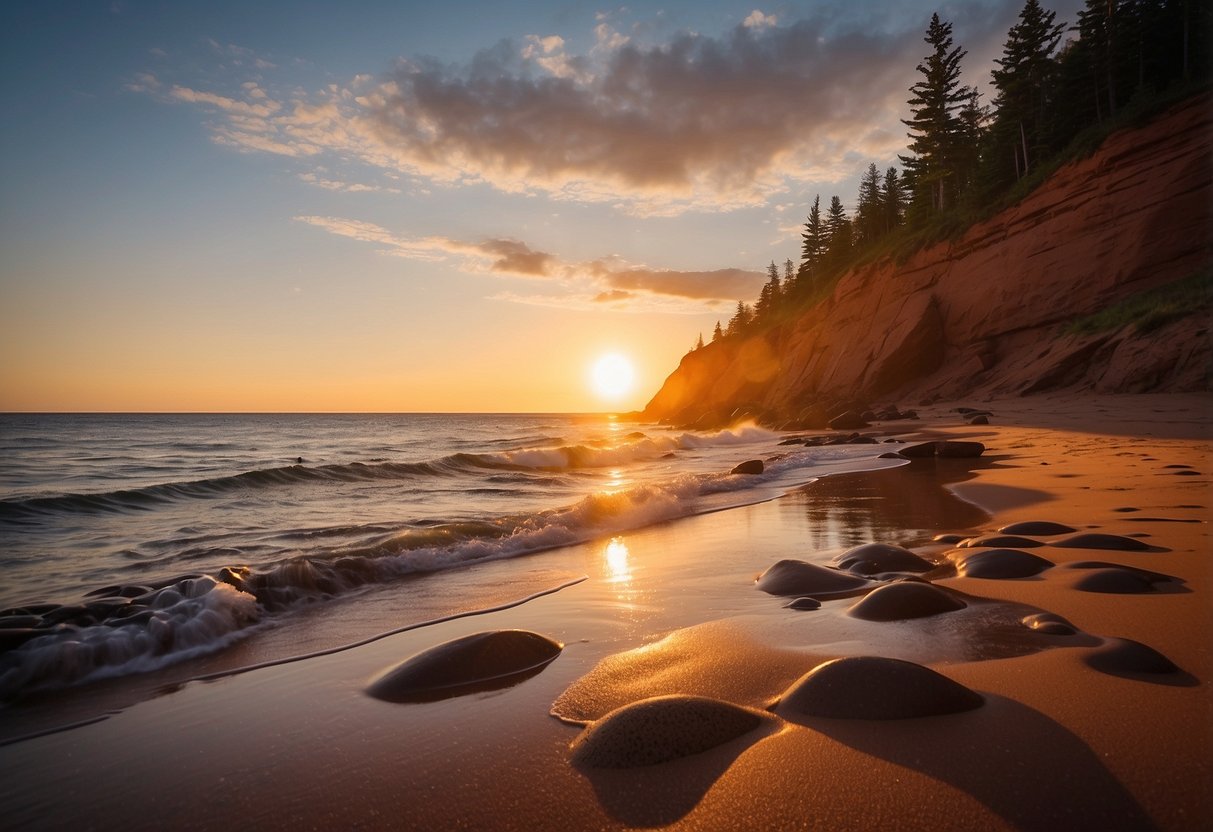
[608, 281]
[693, 123]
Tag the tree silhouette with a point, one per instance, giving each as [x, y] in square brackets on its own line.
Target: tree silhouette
[1024, 79]
[936, 131]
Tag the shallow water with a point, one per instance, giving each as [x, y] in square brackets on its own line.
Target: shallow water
[130, 542]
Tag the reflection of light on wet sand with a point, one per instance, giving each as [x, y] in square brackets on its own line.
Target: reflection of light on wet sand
[616, 559]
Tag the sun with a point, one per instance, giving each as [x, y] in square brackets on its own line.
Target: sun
[612, 376]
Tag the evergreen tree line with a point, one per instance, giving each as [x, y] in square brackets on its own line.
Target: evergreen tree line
[964, 157]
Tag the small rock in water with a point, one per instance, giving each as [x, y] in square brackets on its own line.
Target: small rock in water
[979, 420]
[904, 600]
[1000, 564]
[795, 577]
[1049, 624]
[750, 466]
[875, 687]
[871, 558]
[481, 661]
[950, 539]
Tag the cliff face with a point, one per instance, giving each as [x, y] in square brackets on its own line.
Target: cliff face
[984, 315]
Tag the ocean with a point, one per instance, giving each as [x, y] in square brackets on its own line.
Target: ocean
[131, 542]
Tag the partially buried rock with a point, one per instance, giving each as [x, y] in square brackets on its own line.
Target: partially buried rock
[1002, 541]
[962, 450]
[661, 729]
[795, 577]
[750, 466]
[1119, 656]
[1093, 540]
[874, 687]
[921, 450]
[1000, 564]
[1114, 581]
[950, 539]
[479, 662]
[871, 558]
[905, 600]
[980, 419]
[1037, 527]
[805, 603]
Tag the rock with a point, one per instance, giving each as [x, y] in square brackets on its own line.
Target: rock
[1119, 656]
[481, 661]
[661, 729]
[850, 420]
[1102, 541]
[962, 450]
[871, 558]
[979, 420]
[750, 466]
[1036, 527]
[904, 600]
[874, 687]
[805, 603]
[921, 450]
[1002, 541]
[795, 577]
[1114, 581]
[1049, 624]
[1000, 564]
[950, 539]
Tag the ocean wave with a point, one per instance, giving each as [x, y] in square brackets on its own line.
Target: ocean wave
[634, 447]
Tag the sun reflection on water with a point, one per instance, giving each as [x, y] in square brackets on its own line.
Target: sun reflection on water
[615, 557]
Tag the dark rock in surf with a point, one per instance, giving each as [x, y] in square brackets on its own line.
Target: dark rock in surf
[905, 600]
[750, 466]
[795, 577]
[872, 558]
[1000, 564]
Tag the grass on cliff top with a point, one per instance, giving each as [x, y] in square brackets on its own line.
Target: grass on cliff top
[1151, 309]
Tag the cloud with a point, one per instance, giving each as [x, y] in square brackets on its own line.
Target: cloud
[607, 280]
[758, 20]
[693, 122]
[343, 187]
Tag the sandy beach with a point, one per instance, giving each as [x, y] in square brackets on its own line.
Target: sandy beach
[1072, 726]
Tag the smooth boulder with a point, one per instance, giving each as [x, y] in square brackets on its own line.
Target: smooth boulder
[872, 558]
[750, 466]
[795, 577]
[905, 600]
[481, 661]
[875, 687]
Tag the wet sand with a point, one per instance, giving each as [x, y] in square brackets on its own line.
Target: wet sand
[1075, 695]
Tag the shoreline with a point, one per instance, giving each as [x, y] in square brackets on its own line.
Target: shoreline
[1055, 739]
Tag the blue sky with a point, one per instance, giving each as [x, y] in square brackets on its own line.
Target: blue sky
[397, 206]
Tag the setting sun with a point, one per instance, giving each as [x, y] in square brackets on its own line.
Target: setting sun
[612, 376]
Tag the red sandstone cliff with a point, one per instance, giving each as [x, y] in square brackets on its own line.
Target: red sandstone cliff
[984, 315]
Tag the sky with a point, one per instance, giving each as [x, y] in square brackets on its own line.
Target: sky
[395, 206]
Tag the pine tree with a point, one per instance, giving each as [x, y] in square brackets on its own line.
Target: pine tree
[813, 237]
[699, 343]
[869, 219]
[935, 126]
[741, 320]
[717, 333]
[838, 232]
[892, 200]
[769, 296]
[1024, 79]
